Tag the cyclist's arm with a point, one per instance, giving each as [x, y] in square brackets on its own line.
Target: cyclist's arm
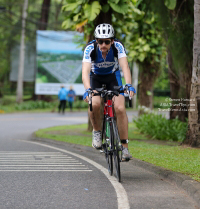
[86, 66]
[126, 70]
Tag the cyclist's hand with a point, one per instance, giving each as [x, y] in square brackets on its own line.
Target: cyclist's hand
[86, 94]
[131, 89]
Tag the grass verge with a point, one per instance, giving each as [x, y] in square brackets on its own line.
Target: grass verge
[176, 158]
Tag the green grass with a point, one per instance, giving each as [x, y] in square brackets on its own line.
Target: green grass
[176, 158]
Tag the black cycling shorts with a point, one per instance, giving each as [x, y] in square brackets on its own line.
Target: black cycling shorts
[110, 80]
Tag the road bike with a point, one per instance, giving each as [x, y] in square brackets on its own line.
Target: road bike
[111, 144]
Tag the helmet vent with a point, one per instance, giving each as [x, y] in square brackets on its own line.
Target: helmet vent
[104, 30]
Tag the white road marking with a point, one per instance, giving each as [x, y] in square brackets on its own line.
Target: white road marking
[82, 119]
[45, 170]
[38, 165]
[122, 197]
[39, 161]
[44, 160]
[21, 153]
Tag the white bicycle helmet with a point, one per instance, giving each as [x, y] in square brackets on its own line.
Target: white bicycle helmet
[104, 31]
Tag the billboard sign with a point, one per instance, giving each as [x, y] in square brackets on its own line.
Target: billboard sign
[59, 62]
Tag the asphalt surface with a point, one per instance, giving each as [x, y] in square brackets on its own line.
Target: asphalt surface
[38, 173]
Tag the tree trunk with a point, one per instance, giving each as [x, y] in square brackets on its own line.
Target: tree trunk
[193, 136]
[44, 14]
[178, 93]
[58, 9]
[104, 17]
[1, 91]
[22, 54]
[43, 26]
[147, 79]
[174, 85]
[135, 72]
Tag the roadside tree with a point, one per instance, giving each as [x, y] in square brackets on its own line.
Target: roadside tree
[176, 20]
[193, 138]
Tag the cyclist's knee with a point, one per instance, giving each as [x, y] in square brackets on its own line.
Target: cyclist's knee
[96, 106]
[120, 109]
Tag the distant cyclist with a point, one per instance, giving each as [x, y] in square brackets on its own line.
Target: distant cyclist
[101, 61]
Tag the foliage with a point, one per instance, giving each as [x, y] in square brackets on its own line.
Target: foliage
[31, 105]
[134, 23]
[170, 4]
[10, 28]
[83, 13]
[158, 127]
[80, 104]
[178, 29]
[162, 82]
[143, 38]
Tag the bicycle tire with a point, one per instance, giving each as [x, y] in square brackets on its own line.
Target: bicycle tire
[107, 149]
[116, 150]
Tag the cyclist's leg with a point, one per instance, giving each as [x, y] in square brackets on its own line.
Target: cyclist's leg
[95, 82]
[119, 105]
[95, 113]
[122, 119]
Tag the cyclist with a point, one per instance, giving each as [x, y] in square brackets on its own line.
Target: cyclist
[100, 65]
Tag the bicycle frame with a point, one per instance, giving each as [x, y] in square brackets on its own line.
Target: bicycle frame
[108, 107]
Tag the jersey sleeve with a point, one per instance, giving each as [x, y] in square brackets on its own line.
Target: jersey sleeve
[87, 53]
[121, 50]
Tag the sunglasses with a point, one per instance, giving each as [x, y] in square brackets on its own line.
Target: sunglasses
[107, 42]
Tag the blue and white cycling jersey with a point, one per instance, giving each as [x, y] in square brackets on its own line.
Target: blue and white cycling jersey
[101, 66]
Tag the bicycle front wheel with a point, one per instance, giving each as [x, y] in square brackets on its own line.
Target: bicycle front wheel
[116, 150]
[107, 147]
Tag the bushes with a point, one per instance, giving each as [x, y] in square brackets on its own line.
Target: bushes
[80, 104]
[158, 127]
[8, 104]
[31, 105]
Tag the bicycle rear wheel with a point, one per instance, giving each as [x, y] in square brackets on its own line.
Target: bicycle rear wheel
[116, 150]
[107, 146]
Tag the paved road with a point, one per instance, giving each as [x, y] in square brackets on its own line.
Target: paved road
[48, 174]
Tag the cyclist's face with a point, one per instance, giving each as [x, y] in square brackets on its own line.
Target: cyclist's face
[104, 44]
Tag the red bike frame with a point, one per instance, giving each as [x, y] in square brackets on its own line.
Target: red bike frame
[108, 110]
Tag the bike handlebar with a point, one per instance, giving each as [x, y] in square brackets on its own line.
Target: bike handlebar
[103, 93]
